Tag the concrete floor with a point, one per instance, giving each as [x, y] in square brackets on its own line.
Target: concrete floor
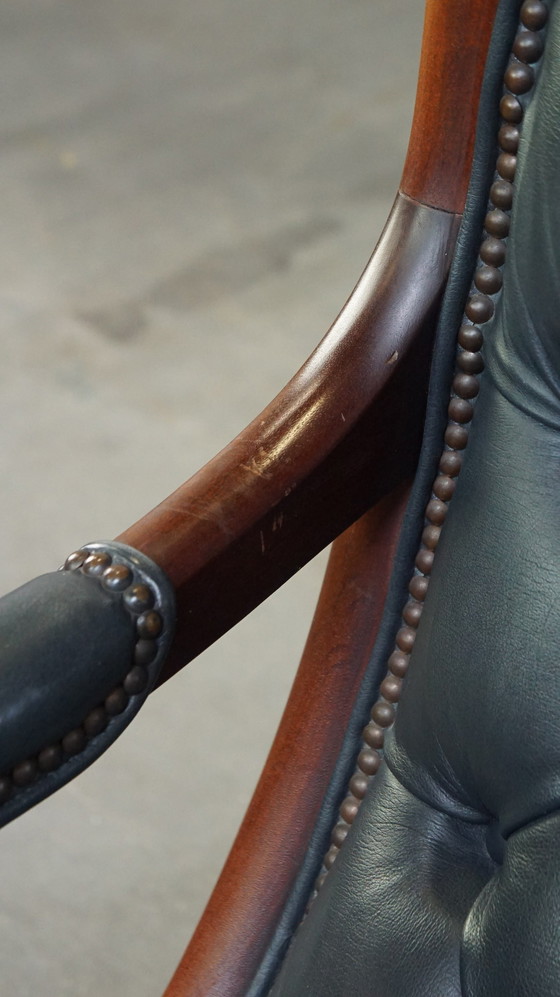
[189, 191]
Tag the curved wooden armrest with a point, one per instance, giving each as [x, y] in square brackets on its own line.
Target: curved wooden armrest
[343, 433]
[346, 429]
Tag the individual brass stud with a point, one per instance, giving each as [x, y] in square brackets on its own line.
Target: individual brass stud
[116, 578]
[436, 510]
[75, 741]
[391, 689]
[492, 252]
[497, 223]
[136, 680]
[95, 564]
[479, 308]
[358, 787]
[424, 561]
[25, 773]
[533, 14]
[383, 714]
[369, 761]
[456, 437]
[138, 598]
[398, 662]
[75, 560]
[50, 758]
[506, 165]
[330, 857]
[470, 337]
[349, 809]
[406, 636]
[373, 735]
[430, 539]
[460, 410]
[149, 625]
[501, 194]
[339, 833]
[528, 46]
[511, 109]
[443, 489]
[95, 722]
[470, 363]
[488, 280]
[508, 138]
[466, 386]
[418, 587]
[145, 652]
[450, 463]
[116, 701]
[519, 78]
[412, 612]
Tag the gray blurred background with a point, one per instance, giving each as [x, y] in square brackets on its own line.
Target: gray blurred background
[189, 190]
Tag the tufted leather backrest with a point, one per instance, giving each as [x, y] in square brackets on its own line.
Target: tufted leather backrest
[448, 882]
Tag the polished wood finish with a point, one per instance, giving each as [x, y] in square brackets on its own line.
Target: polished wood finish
[454, 48]
[343, 433]
[243, 911]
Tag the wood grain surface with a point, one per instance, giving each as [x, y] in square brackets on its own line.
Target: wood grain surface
[342, 434]
[454, 48]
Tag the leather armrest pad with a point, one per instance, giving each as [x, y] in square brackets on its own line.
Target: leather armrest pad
[80, 650]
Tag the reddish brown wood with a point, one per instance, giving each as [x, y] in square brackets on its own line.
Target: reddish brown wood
[344, 432]
[454, 48]
[243, 911]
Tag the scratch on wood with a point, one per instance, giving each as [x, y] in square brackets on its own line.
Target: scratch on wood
[253, 468]
[278, 522]
[263, 547]
[213, 519]
[393, 358]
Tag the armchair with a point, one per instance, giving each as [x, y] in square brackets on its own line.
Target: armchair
[250, 512]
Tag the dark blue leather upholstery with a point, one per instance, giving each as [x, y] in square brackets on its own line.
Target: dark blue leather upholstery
[81, 650]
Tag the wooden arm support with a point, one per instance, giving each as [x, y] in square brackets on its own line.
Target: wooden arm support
[343, 433]
[346, 429]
